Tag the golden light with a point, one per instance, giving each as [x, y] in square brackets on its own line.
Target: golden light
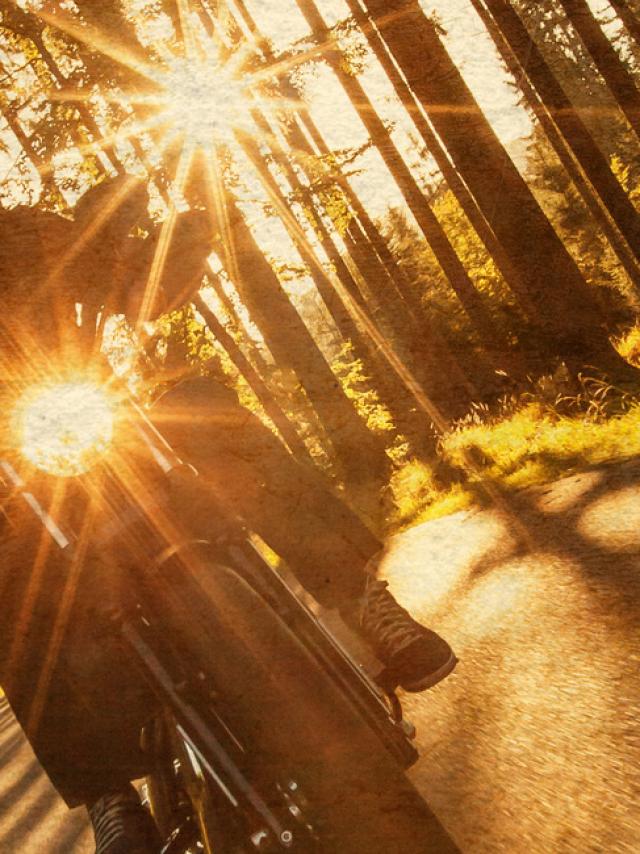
[203, 99]
[64, 428]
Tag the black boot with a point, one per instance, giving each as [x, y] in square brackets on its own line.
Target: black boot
[121, 825]
[415, 657]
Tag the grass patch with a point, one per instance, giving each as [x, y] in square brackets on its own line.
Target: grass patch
[418, 498]
[532, 445]
[628, 345]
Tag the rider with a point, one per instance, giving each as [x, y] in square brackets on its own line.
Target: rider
[88, 740]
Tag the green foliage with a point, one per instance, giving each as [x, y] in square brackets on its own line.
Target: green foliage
[628, 345]
[357, 386]
[521, 441]
[425, 272]
[324, 192]
[441, 305]
[534, 445]
[186, 338]
[573, 67]
[291, 397]
[628, 176]
[581, 235]
[417, 496]
[565, 208]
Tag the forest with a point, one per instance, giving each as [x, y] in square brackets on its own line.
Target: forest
[422, 307]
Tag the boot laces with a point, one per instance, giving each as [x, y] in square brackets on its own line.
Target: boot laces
[385, 621]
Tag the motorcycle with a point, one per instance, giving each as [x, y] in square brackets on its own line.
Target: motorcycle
[273, 735]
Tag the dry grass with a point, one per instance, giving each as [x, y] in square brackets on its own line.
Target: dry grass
[628, 345]
[531, 440]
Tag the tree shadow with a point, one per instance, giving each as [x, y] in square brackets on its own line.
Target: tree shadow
[69, 834]
[535, 528]
[14, 836]
[20, 786]
[6, 723]
[10, 747]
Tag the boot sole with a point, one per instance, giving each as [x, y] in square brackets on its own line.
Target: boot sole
[431, 679]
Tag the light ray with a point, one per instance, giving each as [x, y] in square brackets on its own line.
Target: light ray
[81, 242]
[135, 487]
[63, 613]
[283, 67]
[33, 589]
[93, 39]
[102, 143]
[215, 183]
[152, 286]
[188, 32]
[293, 226]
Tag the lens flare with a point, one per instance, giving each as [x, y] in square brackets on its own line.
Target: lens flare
[65, 428]
[204, 101]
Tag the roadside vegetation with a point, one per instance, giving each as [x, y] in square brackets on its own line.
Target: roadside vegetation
[534, 437]
[409, 347]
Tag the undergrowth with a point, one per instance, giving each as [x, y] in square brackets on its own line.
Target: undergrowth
[536, 436]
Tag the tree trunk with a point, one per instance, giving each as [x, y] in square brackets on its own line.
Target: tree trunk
[109, 20]
[292, 345]
[364, 222]
[379, 290]
[271, 407]
[418, 337]
[567, 312]
[341, 317]
[628, 18]
[31, 27]
[430, 355]
[606, 60]
[43, 168]
[333, 301]
[393, 396]
[578, 138]
[255, 356]
[451, 176]
[584, 188]
[427, 221]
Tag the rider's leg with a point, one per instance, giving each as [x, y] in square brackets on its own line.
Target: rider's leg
[70, 687]
[87, 738]
[79, 702]
[86, 735]
[326, 545]
[335, 556]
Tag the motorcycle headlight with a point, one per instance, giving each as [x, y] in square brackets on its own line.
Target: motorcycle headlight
[64, 428]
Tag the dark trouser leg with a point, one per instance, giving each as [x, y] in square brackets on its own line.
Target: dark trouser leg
[87, 740]
[325, 544]
[252, 475]
[83, 718]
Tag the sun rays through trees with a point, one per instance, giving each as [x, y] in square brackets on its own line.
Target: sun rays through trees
[316, 187]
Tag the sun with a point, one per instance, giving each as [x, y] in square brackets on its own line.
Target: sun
[204, 101]
[63, 429]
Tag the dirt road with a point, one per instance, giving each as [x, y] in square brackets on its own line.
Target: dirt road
[33, 820]
[533, 745]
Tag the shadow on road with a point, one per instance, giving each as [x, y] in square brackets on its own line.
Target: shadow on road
[33, 819]
[532, 745]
